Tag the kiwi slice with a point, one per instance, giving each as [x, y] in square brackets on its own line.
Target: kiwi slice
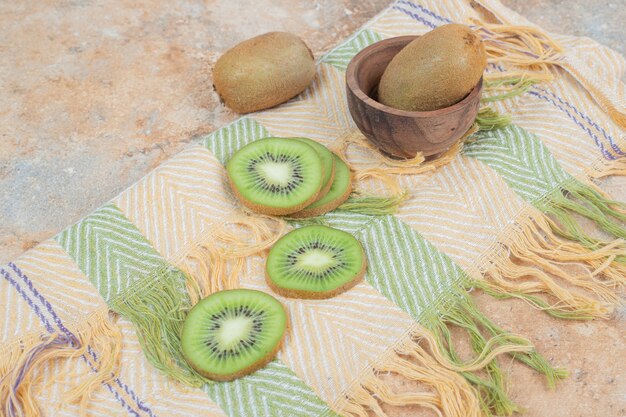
[315, 262]
[232, 333]
[339, 192]
[328, 162]
[275, 175]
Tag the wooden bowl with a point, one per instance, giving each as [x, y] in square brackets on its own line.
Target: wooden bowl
[402, 133]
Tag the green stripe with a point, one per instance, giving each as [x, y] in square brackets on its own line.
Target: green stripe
[407, 269]
[229, 139]
[402, 265]
[271, 391]
[110, 250]
[521, 159]
[341, 55]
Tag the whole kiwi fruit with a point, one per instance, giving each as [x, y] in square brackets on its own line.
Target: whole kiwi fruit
[263, 71]
[435, 70]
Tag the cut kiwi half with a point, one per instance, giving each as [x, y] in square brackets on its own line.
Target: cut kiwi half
[315, 262]
[276, 175]
[339, 192]
[328, 162]
[233, 333]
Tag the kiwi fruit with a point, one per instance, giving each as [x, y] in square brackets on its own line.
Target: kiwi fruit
[328, 163]
[435, 70]
[263, 71]
[315, 262]
[339, 192]
[275, 175]
[233, 333]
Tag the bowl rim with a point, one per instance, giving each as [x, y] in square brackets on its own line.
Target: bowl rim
[353, 85]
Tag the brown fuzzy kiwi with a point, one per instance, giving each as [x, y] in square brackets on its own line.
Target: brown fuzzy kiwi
[434, 71]
[263, 71]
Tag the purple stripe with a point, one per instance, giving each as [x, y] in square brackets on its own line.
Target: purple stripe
[45, 302]
[416, 17]
[69, 334]
[603, 150]
[425, 10]
[72, 339]
[605, 153]
[585, 117]
[35, 307]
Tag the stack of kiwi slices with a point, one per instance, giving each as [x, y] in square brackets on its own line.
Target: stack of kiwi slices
[289, 176]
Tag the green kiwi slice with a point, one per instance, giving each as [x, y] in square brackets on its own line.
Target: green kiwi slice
[326, 156]
[338, 193]
[315, 262]
[276, 175]
[232, 333]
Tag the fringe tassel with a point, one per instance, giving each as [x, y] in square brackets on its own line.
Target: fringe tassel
[615, 167]
[489, 119]
[533, 52]
[157, 313]
[492, 387]
[373, 205]
[19, 382]
[527, 48]
[456, 388]
[449, 393]
[384, 168]
[581, 275]
[582, 199]
[216, 263]
[502, 86]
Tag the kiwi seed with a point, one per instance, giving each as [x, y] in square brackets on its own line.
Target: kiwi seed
[276, 175]
[233, 333]
[315, 262]
[328, 162]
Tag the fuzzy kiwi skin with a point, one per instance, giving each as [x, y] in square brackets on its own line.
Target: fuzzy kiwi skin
[435, 70]
[317, 295]
[263, 71]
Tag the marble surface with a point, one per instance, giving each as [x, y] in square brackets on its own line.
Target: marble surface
[96, 94]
